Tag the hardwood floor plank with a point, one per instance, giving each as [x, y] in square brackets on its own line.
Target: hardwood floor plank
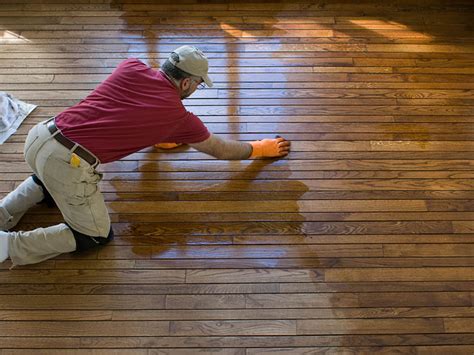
[86, 328]
[142, 261]
[264, 228]
[235, 288]
[248, 341]
[92, 276]
[223, 252]
[428, 250]
[268, 206]
[82, 302]
[226, 314]
[234, 328]
[256, 275]
[129, 177]
[425, 274]
[369, 326]
[456, 325]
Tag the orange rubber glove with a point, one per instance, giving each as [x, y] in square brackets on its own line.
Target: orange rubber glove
[167, 145]
[270, 148]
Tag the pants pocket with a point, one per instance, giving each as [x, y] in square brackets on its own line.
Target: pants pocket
[75, 191]
[61, 177]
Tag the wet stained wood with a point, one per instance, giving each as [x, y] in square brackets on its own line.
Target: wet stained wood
[360, 241]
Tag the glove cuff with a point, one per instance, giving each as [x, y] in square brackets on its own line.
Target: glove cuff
[257, 149]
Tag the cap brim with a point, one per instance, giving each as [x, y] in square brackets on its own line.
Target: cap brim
[208, 81]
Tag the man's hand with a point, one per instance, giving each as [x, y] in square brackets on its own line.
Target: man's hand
[167, 145]
[270, 148]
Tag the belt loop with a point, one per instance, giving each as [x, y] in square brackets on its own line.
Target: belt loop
[74, 147]
[56, 132]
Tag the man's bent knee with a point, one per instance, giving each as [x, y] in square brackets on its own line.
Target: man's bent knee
[48, 199]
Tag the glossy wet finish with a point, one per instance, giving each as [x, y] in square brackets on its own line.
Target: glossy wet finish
[360, 241]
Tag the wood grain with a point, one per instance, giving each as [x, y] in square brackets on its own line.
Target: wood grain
[360, 241]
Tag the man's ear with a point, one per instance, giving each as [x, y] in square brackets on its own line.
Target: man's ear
[185, 84]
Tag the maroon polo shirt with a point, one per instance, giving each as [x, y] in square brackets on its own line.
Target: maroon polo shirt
[134, 108]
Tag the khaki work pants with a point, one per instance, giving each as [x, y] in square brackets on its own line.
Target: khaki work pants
[75, 191]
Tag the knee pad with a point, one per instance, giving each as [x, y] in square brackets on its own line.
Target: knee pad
[85, 242]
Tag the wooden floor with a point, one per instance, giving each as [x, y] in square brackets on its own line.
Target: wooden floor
[361, 241]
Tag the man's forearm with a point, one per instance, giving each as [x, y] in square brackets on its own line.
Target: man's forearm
[223, 148]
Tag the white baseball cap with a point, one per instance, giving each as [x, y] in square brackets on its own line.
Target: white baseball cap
[193, 61]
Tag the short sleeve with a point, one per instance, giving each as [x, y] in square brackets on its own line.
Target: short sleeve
[190, 130]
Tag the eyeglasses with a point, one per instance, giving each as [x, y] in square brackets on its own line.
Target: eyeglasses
[201, 84]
